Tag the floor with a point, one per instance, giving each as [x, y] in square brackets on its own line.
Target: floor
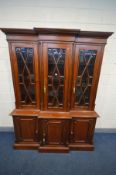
[102, 161]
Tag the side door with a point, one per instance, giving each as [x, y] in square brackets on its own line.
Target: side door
[87, 63]
[26, 128]
[82, 130]
[25, 71]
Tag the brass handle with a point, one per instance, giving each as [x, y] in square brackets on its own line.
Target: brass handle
[44, 86]
[73, 90]
[44, 136]
[74, 87]
[71, 133]
[36, 132]
[43, 140]
[44, 89]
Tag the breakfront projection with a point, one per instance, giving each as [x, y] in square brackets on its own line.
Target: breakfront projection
[55, 76]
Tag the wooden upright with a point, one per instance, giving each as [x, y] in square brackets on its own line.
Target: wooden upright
[55, 75]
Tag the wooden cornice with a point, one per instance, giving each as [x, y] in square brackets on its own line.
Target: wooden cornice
[52, 31]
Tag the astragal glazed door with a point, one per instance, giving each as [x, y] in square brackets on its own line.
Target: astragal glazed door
[85, 76]
[56, 66]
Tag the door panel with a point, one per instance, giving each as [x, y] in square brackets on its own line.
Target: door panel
[55, 138]
[54, 131]
[85, 70]
[25, 66]
[82, 130]
[26, 128]
[56, 59]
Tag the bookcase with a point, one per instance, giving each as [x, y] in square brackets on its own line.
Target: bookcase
[55, 76]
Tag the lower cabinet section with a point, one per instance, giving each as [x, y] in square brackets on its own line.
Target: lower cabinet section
[53, 135]
[26, 132]
[81, 133]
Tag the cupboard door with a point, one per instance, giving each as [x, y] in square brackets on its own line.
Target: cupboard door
[26, 129]
[85, 77]
[82, 130]
[56, 70]
[54, 132]
[24, 59]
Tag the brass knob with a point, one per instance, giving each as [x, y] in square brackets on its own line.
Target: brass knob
[55, 74]
[36, 131]
[71, 132]
[43, 140]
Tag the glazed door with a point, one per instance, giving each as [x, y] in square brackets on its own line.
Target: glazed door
[87, 63]
[56, 70]
[24, 59]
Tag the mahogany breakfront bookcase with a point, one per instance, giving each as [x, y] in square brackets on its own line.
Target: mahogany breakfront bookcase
[55, 75]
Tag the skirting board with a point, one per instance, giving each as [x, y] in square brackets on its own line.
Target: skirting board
[97, 130]
[6, 129]
[105, 130]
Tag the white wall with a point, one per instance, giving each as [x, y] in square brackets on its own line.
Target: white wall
[81, 14]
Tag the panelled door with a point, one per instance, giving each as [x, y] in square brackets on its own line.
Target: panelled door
[54, 131]
[26, 128]
[82, 130]
[87, 62]
[56, 72]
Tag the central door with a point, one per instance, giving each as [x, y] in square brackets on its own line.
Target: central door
[56, 72]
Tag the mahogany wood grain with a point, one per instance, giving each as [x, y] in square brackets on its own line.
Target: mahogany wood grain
[53, 114]
[54, 129]
[34, 31]
[26, 129]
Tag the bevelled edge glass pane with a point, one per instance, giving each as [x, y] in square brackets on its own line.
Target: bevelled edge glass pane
[26, 75]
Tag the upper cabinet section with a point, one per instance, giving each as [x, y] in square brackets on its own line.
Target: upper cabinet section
[55, 69]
